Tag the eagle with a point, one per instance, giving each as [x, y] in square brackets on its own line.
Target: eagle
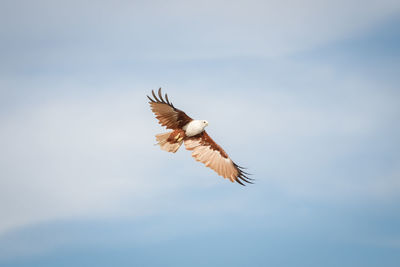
[191, 132]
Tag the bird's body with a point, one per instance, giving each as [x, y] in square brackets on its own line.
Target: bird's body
[192, 134]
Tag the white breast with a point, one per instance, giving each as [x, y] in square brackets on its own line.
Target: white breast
[194, 127]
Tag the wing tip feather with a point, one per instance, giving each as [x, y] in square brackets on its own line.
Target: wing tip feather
[242, 176]
[160, 98]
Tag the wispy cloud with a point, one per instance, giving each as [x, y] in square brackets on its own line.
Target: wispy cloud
[85, 154]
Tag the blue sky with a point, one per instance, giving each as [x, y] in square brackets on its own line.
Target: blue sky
[303, 93]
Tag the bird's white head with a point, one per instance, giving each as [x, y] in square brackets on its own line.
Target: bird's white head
[195, 127]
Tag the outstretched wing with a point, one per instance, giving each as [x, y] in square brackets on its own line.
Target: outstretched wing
[212, 155]
[166, 113]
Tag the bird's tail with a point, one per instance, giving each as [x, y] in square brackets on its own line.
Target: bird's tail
[170, 141]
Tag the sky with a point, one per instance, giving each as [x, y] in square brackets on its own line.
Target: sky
[305, 94]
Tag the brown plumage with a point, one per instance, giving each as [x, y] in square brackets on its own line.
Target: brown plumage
[166, 113]
[203, 148]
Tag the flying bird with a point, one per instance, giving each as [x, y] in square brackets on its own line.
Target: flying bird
[191, 132]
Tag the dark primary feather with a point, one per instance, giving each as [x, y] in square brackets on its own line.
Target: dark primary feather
[242, 175]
